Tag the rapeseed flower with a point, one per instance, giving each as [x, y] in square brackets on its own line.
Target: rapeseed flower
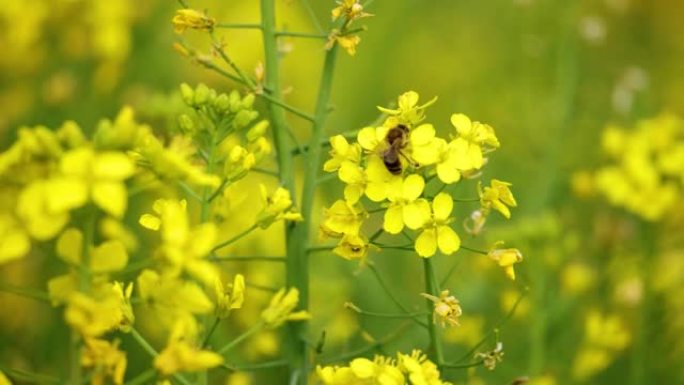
[182, 354]
[506, 258]
[437, 232]
[498, 196]
[106, 360]
[472, 141]
[447, 308]
[190, 18]
[281, 309]
[277, 206]
[230, 298]
[408, 113]
[406, 208]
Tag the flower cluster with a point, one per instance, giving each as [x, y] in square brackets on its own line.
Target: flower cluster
[605, 336]
[348, 11]
[645, 173]
[414, 369]
[73, 191]
[391, 167]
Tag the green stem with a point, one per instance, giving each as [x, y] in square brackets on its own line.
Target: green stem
[306, 35]
[232, 344]
[251, 367]
[24, 375]
[235, 238]
[297, 235]
[211, 332]
[25, 292]
[391, 296]
[432, 288]
[237, 26]
[142, 378]
[248, 259]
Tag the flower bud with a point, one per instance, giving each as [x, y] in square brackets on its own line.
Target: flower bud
[201, 94]
[187, 93]
[257, 131]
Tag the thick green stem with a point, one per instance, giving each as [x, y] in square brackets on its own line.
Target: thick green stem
[297, 236]
[432, 288]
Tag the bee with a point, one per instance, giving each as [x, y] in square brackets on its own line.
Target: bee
[397, 140]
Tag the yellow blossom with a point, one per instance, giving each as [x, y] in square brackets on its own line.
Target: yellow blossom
[4, 380]
[95, 316]
[41, 219]
[281, 309]
[420, 370]
[352, 246]
[182, 354]
[349, 9]
[190, 18]
[90, 175]
[424, 145]
[506, 258]
[341, 151]
[472, 141]
[172, 298]
[499, 197]
[347, 42]
[343, 218]
[447, 308]
[408, 112]
[277, 206]
[107, 257]
[437, 232]
[233, 298]
[106, 360]
[183, 248]
[406, 208]
[14, 241]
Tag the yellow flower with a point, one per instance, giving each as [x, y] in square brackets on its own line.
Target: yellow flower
[172, 297]
[348, 42]
[420, 370]
[94, 316]
[355, 179]
[4, 380]
[352, 246]
[409, 112]
[472, 141]
[447, 308]
[238, 163]
[281, 309]
[190, 18]
[406, 208]
[277, 207]
[87, 174]
[341, 151]
[350, 9]
[506, 258]
[379, 180]
[437, 232]
[424, 146]
[181, 354]
[106, 360]
[14, 241]
[499, 197]
[343, 218]
[107, 257]
[41, 219]
[183, 248]
[233, 298]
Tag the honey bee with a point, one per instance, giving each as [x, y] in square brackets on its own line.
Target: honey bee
[397, 140]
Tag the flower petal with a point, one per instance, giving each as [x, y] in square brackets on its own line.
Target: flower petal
[447, 240]
[426, 243]
[394, 221]
[442, 206]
